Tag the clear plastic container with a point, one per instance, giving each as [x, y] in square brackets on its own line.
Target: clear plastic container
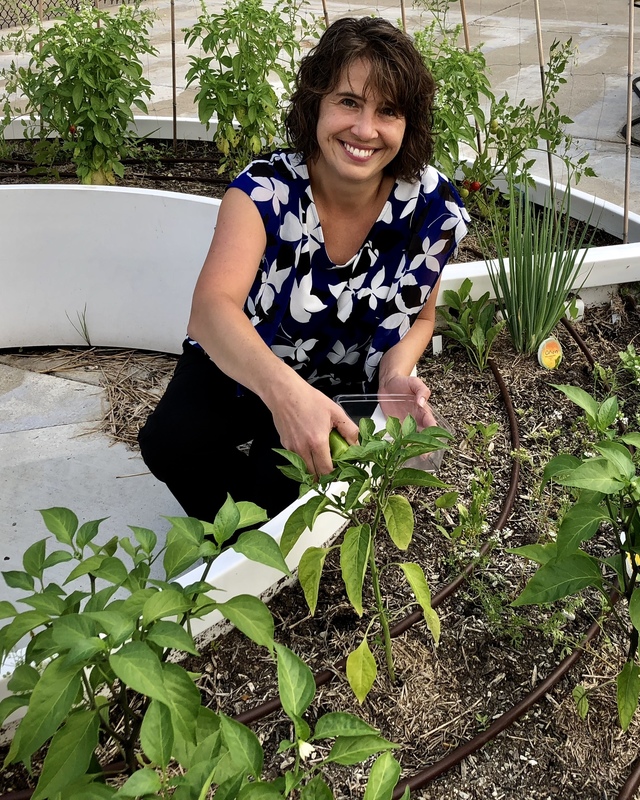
[358, 406]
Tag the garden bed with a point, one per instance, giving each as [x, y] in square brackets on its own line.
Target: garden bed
[490, 655]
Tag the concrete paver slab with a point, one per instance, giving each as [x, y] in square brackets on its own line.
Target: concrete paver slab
[30, 400]
[70, 466]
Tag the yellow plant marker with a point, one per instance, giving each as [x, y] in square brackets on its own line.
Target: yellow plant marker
[550, 353]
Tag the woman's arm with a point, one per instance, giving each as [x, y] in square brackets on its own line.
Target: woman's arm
[302, 415]
[396, 365]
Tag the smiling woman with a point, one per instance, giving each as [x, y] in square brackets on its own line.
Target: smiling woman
[321, 278]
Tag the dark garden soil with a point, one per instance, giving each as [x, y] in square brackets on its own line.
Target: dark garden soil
[490, 655]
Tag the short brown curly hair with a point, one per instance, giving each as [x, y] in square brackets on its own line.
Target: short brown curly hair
[398, 74]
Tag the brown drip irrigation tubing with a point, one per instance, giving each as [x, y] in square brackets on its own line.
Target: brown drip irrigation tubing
[579, 341]
[628, 791]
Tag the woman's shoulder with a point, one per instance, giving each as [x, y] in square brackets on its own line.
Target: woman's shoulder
[281, 166]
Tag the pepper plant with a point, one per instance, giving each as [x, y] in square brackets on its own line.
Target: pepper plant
[96, 673]
[83, 77]
[606, 501]
[480, 136]
[372, 471]
[245, 47]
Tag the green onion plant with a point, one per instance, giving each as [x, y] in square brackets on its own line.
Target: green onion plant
[538, 262]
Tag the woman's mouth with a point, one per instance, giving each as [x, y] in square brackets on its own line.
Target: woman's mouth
[358, 152]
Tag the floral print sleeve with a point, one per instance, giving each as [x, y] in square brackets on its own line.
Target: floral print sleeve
[334, 322]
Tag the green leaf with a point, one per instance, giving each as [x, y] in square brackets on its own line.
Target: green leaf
[354, 557]
[7, 610]
[293, 529]
[408, 476]
[183, 698]
[628, 693]
[69, 753]
[117, 625]
[353, 750]
[634, 608]
[226, 521]
[244, 746]
[33, 558]
[597, 474]
[560, 465]
[140, 669]
[156, 734]
[310, 572]
[620, 458]
[416, 579]
[398, 516]
[16, 579]
[361, 670]
[316, 789]
[259, 546]
[607, 413]
[145, 537]
[61, 522]
[10, 704]
[166, 633]
[261, 790]
[51, 701]
[540, 553]
[383, 778]
[581, 699]
[141, 783]
[23, 623]
[24, 679]
[165, 603]
[559, 578]
[296, 685]
[341, 723]
[251, 616]
[579, 524]
[250, 514]
[88, 531]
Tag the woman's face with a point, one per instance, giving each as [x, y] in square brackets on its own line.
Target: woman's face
[359, 132]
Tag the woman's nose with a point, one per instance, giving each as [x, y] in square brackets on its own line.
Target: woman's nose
[364, 126]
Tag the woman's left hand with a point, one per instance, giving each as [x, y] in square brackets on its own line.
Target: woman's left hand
[416, 404]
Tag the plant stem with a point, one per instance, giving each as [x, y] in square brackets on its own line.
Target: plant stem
[375, 581]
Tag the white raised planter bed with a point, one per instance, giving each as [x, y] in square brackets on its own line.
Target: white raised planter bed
[130, 258]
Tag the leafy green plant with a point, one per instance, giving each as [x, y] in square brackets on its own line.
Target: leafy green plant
[245, 47]
[471, 323]
[538, 262]
[372, 471]
[82, 80]
[97, 674]
[480, 436]
[606, 486]
[630, 360]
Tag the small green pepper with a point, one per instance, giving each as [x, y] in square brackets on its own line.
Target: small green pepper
[337, 444]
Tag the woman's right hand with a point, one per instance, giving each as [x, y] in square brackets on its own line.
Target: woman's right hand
[304, 417]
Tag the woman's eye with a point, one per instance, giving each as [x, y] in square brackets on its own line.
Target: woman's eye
[389, 112]
[349, 102]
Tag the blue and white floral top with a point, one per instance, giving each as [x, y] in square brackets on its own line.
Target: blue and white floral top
[334, 322]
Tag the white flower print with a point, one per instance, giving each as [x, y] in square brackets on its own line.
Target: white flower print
[291, 229]
[303, 303]
[297, 351]
[271, 286]
[268, 189]
[341, 356]
[345, 299]
[377, 291]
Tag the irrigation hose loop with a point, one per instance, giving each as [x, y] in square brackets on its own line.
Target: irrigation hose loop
[420, 779]
[579, 341]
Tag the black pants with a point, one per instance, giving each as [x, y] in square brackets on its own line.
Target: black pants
[190, 442]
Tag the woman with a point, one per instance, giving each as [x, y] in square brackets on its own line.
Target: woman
[321, 279]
